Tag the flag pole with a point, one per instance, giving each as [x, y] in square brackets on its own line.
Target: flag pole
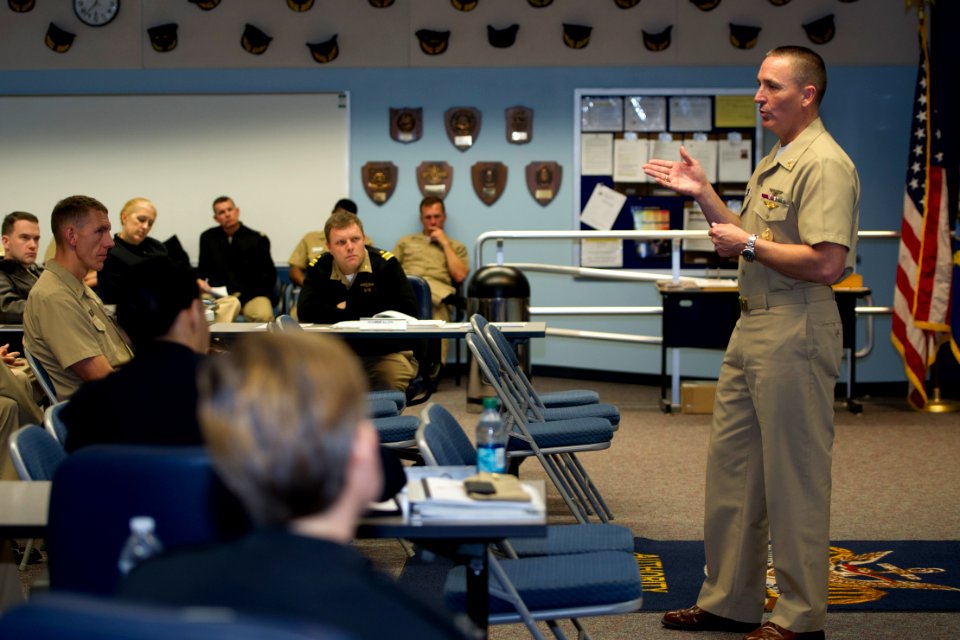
[936, 404]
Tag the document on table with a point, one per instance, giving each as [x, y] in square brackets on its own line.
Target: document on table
[439, 498]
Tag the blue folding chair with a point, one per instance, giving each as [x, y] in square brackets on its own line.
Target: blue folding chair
[84, 617]
[43, 378]
[53, 423]
[554, 443]
[529, 401]
[96, 491]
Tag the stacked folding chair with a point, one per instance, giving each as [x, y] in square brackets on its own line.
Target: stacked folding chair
[554, 443]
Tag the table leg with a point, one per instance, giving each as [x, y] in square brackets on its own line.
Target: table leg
[478, 591]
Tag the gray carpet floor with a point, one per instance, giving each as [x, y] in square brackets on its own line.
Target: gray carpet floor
[896, 475]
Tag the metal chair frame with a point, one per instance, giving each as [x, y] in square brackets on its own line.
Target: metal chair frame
[559, 462]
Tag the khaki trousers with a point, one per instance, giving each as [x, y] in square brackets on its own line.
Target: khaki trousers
[18, 407]
[392, 371]
[768, 466]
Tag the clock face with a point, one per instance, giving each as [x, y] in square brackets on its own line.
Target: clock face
[96, 13]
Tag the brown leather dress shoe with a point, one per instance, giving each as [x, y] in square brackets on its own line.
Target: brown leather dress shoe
[696, 619]
[773, 631]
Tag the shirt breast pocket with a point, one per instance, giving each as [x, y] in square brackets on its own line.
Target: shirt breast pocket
[99, 325]
[771, 214]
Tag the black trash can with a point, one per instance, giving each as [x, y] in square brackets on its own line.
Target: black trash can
[499, 294]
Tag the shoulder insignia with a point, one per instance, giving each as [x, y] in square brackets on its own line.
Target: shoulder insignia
[314, 261]
[386, 255]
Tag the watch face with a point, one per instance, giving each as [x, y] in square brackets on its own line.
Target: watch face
[96, 13]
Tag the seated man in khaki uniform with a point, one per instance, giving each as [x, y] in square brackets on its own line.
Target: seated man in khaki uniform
[435, 257]
[65, 325]
[432, 255]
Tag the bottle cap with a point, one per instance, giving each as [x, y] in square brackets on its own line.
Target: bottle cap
[491, 403]
[142, 524]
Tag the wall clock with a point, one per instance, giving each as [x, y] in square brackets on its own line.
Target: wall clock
[96, 13]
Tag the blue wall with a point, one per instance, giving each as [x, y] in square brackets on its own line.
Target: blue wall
[867, 109]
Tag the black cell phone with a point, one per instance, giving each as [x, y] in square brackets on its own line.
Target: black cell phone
[482, 487]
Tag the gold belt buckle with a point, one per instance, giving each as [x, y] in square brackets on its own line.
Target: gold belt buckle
[744, 305]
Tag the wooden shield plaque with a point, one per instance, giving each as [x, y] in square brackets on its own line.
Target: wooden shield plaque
[434, 179]
[519, 125]
[489, 180]
[463, 126]
[379, 180]
[543, 181]
[406, 124]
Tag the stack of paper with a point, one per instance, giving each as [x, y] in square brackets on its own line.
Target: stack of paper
[437, 498]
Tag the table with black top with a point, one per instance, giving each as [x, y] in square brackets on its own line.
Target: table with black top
[704, 318]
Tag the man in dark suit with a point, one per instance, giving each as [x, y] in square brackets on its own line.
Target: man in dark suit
[238, 258]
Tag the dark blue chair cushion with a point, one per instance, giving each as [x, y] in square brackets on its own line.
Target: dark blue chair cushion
[545, 583]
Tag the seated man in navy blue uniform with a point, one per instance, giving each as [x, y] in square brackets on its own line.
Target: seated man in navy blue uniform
[283, 418]
[352, 281]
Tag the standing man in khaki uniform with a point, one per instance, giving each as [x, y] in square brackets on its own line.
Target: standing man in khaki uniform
[65, 326]
[768, 465]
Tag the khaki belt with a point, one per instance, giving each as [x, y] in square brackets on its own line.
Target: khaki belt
[781, 298]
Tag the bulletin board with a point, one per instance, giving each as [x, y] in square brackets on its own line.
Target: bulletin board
[617, 130]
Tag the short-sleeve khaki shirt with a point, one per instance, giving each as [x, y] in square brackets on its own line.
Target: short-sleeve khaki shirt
[65, 322]
[421, 257]
[808, 195]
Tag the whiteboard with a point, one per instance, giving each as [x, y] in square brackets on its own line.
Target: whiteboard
[283, 158]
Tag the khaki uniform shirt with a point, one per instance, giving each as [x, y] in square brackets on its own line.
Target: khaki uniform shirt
[421, 257]
[810, 194]
[311, 246]
[65, 322]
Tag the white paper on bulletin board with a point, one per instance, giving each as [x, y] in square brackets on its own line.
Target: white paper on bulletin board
[601, 252]
[602, 208]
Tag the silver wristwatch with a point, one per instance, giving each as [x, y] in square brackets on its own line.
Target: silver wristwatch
[749, 252]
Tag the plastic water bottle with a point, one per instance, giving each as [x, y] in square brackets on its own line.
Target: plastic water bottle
[141, 544]
[491, 443]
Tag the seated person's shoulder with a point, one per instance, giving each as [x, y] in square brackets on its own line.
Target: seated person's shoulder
[383, 254]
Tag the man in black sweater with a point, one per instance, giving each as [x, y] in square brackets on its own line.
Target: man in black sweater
[352, 281]
[238, 258]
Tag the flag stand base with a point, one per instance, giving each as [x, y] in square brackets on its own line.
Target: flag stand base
[938, 405]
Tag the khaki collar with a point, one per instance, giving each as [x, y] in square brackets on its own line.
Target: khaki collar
[76, 287]
[789, 158]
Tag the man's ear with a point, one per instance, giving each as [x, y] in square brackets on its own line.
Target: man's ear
[809, 95]
[6, 243]
[70, 235]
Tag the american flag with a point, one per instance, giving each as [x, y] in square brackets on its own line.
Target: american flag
[921, 300]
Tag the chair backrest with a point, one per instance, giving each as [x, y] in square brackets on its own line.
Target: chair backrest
[284, 323]
[36, 454]
[520, 385]
[421, 293]
[83, 617]
[99, 488]
[512, 413]
[43, 378]
[53, 423]
[441, 440]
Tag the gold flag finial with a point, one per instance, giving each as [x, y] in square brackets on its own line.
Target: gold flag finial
[920, 5]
